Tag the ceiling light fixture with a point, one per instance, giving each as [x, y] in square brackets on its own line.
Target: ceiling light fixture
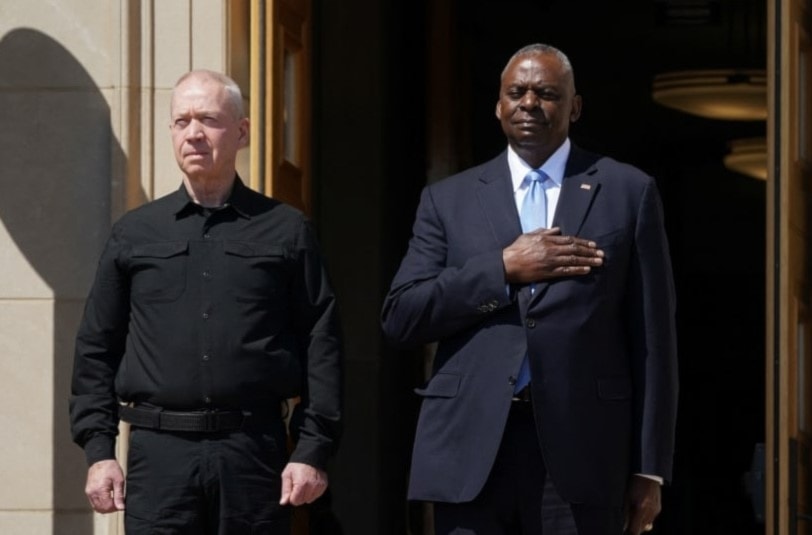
[729, 94]
[748, 156]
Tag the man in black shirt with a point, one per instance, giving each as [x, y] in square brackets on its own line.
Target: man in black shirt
[210, 308]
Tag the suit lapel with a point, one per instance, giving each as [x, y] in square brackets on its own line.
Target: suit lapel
[578, 190]
[495, 194]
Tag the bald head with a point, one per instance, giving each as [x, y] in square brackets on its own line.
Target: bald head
[233, 95]
[542, 49]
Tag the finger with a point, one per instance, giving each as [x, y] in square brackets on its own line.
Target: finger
[541, 231]
[580, 242]
[559, 239]
[568, 255]
[574, 249]
[587, 249]
[641, 530]
[584, 249]
[309, 494]
[579, 260]
[287, 487]
[573, 270]
[118, 495]
[572, 264]
[102, 503]
[297, 495]
[638, 522]
[316, 490]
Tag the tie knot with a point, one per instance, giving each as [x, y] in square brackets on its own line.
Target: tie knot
[536, 175]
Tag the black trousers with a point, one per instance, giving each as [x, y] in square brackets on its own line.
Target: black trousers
[519, 498]
[182, 483]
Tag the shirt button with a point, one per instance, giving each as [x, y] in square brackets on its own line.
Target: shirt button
[531, 323]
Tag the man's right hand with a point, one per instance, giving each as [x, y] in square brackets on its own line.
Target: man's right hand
[105, 486]
[546, 254]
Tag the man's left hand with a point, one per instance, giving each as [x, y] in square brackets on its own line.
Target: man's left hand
[302, 483]
[642, 504]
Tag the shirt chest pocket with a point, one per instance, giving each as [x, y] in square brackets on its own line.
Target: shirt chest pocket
[256, 271]
[159, 270]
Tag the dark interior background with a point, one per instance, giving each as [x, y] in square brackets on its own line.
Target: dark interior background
[371, 106]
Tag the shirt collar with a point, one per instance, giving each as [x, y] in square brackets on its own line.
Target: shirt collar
[238, 199]
[554, 165]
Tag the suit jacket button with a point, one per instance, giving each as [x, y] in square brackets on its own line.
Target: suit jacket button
[530, 323]
[511, 380]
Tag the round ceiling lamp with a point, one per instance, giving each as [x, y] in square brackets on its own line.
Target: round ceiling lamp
[748, 156]
[730, 94]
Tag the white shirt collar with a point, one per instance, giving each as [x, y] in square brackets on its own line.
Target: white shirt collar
[554, 165]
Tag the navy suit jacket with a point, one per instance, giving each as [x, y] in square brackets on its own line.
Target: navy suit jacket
[602, 346]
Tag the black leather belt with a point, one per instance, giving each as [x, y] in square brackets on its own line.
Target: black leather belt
[208, 421]
[523, 395]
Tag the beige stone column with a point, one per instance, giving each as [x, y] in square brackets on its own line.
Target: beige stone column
[84, 91]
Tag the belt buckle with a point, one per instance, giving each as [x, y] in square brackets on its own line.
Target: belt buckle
[211, 421]
[215, 420]
[154, 416]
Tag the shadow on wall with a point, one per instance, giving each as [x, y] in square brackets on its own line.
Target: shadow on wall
[60, 158]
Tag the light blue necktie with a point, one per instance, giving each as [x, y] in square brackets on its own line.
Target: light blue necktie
[534, 206]
[533, 216]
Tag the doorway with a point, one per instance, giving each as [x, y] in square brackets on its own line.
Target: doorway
[715, 217]
[418, 105]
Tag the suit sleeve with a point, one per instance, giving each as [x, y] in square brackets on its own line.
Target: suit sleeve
[652, 325]
[432, 298]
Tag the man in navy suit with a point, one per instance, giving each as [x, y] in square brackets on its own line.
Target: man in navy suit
[583, 306]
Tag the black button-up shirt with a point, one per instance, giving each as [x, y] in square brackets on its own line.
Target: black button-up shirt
[194, 309]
